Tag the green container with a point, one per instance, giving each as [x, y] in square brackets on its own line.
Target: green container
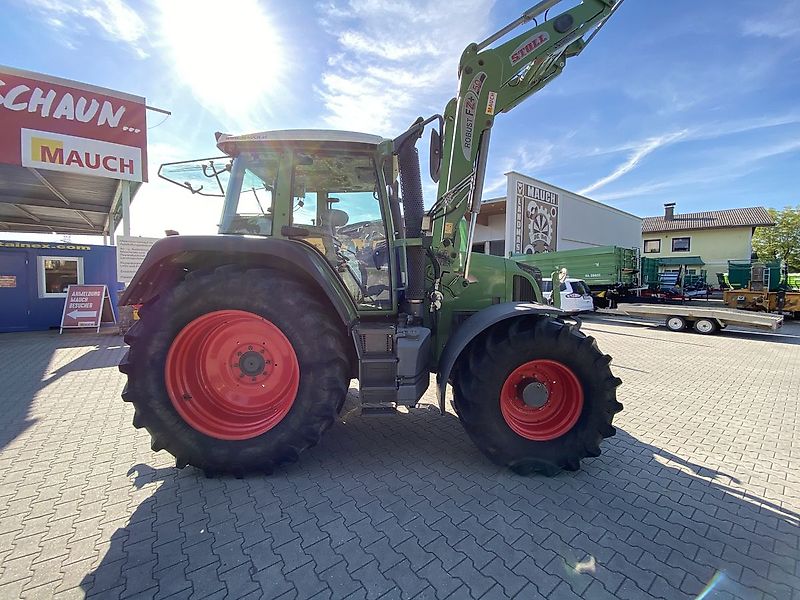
[603, 266]
[739, 274]
[649, 271]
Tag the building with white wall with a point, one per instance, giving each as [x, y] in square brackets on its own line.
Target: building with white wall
[536, 216]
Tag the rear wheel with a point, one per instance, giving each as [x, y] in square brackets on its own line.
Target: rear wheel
[676, 323]
[536, 395]
[705, 326]
[224, 370]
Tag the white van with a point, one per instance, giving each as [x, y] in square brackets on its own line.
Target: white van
[575, 295]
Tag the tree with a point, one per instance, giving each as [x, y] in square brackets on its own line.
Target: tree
[781, 242]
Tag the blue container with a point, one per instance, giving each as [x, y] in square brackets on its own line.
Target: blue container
[34, 276]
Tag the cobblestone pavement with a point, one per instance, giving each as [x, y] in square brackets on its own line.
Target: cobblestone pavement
[698, 491]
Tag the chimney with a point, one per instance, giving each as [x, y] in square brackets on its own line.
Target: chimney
[669, 211]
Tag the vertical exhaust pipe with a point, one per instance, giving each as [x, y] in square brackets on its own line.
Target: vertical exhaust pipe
[413, 210]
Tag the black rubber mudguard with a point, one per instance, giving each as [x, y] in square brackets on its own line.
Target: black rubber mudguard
[477, 323]
[170, 258]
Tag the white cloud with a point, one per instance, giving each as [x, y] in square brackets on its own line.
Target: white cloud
[782, 22]
[230, 57]
[523, 160]
[394, 61]
[116, 19]
[729, 165]
[639, 153]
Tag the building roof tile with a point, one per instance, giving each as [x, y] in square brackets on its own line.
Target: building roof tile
[755, 216]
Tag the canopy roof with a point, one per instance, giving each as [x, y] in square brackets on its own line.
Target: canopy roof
[39, 201]
[680, 260]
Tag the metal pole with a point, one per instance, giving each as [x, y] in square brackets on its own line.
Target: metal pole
[126, 208]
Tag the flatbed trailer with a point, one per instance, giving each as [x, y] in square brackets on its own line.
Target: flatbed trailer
[700, 319]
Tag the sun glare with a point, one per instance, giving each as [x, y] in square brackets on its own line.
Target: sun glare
[229, 54]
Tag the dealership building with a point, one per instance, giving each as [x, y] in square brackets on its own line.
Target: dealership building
[72, 157]
[535, 216]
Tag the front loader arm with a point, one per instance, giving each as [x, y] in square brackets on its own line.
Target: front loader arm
[494, 80]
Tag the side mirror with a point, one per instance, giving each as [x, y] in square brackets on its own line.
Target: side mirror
[435, 156]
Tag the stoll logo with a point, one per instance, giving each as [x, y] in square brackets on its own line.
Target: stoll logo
[59, 152]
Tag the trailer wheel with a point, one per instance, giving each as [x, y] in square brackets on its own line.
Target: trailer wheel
[225, 370]
[675, 323]
[536, 395]
[706, 326]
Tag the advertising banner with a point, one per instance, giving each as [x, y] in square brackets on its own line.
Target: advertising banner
[536, 219]
[61, 125]
[86, 306]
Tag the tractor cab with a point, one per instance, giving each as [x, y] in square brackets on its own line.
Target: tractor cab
[324, 188]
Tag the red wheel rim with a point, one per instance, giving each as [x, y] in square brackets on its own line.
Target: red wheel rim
[558, 395]
[232, 374]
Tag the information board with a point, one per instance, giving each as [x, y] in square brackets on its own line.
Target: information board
[130, 255]
[86, 306]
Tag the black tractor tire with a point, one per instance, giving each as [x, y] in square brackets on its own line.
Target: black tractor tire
[495, 354]
[315, 333]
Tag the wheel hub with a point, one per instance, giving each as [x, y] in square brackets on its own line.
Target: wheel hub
[231, 374]
[535, 394]
[252, 363]
[541, 400]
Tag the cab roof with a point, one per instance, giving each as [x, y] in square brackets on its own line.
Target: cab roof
[233, 144]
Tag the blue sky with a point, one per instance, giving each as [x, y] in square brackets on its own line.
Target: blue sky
[674, 101]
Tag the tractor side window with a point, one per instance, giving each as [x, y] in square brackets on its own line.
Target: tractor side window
[248, 207]
[336, 201]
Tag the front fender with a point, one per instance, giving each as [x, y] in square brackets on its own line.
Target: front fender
[170, 258]
[476, 324]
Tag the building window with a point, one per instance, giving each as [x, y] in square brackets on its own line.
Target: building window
[680, 244]
[56, 273]
[652, 246]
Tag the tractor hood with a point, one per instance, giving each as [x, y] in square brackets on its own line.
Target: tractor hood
[233, 144]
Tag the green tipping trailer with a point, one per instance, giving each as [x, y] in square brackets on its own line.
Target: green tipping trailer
[601, 266]
[605, 269]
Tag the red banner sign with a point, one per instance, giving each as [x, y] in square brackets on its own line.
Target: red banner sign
[61, 125]
[85, 306]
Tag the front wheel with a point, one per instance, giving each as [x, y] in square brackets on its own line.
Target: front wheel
[536, 395]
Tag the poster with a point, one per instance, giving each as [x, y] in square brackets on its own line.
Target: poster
[536, 219]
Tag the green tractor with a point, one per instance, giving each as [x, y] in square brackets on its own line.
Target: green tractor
[326, 269]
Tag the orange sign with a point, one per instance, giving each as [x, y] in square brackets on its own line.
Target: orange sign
[86, 306]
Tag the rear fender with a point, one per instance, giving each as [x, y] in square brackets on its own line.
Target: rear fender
[172, 257]
[477, 324]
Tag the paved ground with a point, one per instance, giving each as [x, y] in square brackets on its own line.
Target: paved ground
[699, 491]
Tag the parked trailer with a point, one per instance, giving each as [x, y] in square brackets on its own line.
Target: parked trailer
[702, 320]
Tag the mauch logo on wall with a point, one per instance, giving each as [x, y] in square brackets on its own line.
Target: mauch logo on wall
[468, 113]
[536, 227]
[59, 152]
